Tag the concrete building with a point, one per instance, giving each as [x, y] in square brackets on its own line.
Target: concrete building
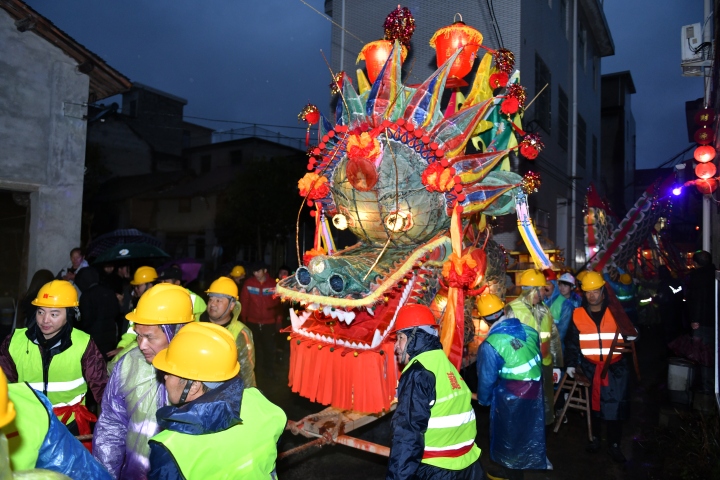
[555, 44]
[46, 81]
[618, 142]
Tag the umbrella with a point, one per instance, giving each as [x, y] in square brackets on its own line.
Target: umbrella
[130, 251]
[119, 237]
[189, 267]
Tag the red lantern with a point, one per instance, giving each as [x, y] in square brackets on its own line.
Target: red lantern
[375, 55]
[705, 117]
[706, 187]
[705, 170]
[447, 40]
[704, 153]
[704, 136]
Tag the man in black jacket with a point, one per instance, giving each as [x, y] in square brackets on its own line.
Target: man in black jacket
[99, 309]
[701, 305]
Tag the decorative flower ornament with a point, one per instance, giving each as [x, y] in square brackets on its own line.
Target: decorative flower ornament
[313, 186]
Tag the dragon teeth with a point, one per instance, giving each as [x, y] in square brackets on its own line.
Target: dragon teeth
[377, 339]
[349, 317]
[370, 311]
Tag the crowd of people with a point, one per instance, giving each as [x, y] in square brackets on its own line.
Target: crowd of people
[175, 375]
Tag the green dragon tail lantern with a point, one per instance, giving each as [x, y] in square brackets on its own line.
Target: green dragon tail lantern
[394, 170]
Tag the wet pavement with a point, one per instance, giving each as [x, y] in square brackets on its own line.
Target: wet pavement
[661, 440]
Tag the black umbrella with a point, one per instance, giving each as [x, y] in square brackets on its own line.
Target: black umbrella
[130, 251]
[119, 237]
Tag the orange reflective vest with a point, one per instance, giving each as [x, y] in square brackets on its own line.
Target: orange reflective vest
[595, 340]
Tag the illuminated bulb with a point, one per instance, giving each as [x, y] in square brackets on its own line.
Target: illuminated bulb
[340, 221]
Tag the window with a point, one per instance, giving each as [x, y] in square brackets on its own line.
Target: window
[184, 205]
[236, 157]
[581, 142]
[205, 163]
[594, 157]
[542, 219]
[543, 112]
[563, 17]
[562, 119]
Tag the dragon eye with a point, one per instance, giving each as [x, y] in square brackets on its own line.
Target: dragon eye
[303, 276]
[337, 284]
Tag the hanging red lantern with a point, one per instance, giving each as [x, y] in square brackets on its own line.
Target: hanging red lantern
[375, 55]
[706, 187]
[704, 136]
[704, 153]
[705, 170]
[447, 40]
[311, 115]
[705, 117]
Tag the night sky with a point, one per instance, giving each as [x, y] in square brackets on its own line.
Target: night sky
[260, 61]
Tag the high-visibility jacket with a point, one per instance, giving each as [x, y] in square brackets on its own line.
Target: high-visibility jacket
[63, 383]
[247, 450]
[595, 340]
[525, 315]
[556, 307]
[522, 358]
[450, 436]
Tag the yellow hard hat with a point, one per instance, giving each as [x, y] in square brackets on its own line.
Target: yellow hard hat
[163, 304]
[532, 278]
[224, 286]
[487, 304]
[7, 409]
[591, 281]
[200, 351]
[237, 271]
[625, 279]
[58, 293]
[144, 275]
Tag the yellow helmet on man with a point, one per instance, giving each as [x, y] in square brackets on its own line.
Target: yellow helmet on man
[58, 293]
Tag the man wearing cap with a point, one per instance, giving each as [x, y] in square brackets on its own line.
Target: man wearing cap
[134, 393]
[434, 425]
[36, 439]
[562, 302]
[510, 382]
[260, 313]
[238, 275]
[214, 426]
[588, 345]
[173, 275]
[56, 359]
[530, 310]
[224, 310]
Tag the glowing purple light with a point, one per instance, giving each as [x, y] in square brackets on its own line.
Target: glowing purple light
[677, 191]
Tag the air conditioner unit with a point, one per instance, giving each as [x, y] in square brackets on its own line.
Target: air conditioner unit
[690, 39]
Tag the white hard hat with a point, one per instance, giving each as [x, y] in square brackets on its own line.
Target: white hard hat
[567, 278]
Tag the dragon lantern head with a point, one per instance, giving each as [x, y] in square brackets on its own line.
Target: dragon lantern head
[393, 170]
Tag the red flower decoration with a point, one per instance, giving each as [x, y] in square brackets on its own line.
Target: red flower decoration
[437, 178]
[510, 106]
[531, 146]
[498, 80]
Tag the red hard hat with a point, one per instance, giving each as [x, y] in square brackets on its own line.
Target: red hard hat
[415, 315]
[550, 274]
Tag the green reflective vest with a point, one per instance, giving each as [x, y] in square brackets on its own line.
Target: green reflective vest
[27, 432]
[450, 436]
[522, 358]
[247, 450]
[526, 317]
[556, 307]
[65, 384]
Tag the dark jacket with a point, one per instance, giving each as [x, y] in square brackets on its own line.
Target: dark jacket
[215, 411]
[92, 361]
[99, 309]
[416, 394]
[700, 296]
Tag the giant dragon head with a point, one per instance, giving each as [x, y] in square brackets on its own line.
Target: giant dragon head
[393, 170]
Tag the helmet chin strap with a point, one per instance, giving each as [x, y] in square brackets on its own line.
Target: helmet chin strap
[185, 392]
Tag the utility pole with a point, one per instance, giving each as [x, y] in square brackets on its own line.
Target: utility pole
[707, 77]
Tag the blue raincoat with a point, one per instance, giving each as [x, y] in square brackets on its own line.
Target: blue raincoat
[517, 415]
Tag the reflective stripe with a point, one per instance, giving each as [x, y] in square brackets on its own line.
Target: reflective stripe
[452, 420]
[452, 395]
[449, 447]
[74, 401]
[525, 367]
[597, 351]
[58, 386]
[602, 336]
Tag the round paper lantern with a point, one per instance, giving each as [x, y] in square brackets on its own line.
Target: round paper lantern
[704, 136]
[706, 187]
[375, 55]
[705, 117]
[705, 170]
[704, 153]
[452, 37]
